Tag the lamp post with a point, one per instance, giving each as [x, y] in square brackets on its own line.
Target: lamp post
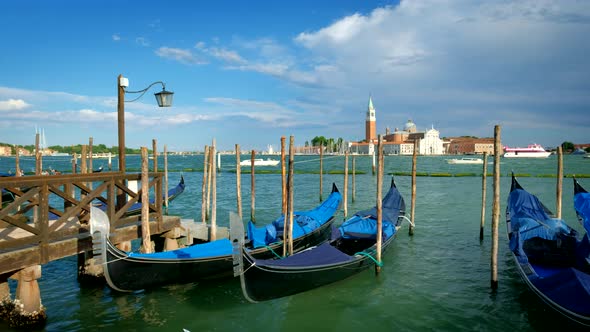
[164, 99]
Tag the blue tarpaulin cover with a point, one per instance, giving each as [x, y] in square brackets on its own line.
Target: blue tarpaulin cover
[304, 222]
[364, 223]
[220, 247]
[567, 285]
[582, 206]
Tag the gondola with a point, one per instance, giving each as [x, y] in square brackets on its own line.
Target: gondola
[129, 271]
[351, 249]
[582, 205]
[548, 254]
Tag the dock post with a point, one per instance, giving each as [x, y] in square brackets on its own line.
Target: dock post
[252, 188]
[204, 186]
[345, 195]
[90, 169]
[238, 181]
[209, 175]
[496, 207]
[17, 161]
[110, 161]
[166, 178]
[559, 181]
[321, 169]
[283, 179]
[483, 194]
[213, 235]
[413, 205]
[28, 310]
[379, 204]
[145, 207]
[155, 154]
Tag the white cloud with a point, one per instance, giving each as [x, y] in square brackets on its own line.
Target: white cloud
[13, 105]
[116, 37]
[142, 41]
[180, 55]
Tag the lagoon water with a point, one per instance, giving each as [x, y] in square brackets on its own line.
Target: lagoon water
[436, 280]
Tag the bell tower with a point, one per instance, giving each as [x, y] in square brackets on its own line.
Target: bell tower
[370, 128]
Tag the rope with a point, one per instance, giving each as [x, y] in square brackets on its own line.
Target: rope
[269, 248]
[380, 264]
[408, 220]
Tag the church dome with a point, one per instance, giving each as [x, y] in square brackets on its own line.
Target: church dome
[410, 126]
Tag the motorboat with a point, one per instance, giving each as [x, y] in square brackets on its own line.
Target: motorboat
[531, 151]
[260, 162]
[473, 161]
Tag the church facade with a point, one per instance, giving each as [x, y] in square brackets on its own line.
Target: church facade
[400, 142]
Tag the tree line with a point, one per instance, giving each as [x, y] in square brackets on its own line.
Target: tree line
[98, 148]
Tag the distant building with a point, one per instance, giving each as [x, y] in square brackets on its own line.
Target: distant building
[400, 142]
[5, 151]
[470, 145]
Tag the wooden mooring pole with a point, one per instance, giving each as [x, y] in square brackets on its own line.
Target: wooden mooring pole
[379, 204]
[353, 178]
[90, 169]
[290, 192]
[559, 181]
[166, 178]
[238, 181]
[321, 170]
[496, 207]
[345, 196]
[17, 161]
[483, 194]
[155, 154]
[204, 186]
[413, 205]
[213, 235]
[146, 241]
[283, 180]
[252, 188]
[209, 174]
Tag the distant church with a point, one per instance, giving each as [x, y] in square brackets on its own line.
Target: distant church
[401, 142]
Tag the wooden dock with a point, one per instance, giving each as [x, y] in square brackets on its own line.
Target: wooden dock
[48, 219]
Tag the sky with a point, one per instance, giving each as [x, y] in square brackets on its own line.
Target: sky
[249, 72]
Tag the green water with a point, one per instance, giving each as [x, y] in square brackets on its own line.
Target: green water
[437, 280]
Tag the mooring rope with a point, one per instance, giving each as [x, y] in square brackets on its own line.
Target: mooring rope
[380, 264]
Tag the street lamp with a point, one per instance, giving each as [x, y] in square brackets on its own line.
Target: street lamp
[164, 99]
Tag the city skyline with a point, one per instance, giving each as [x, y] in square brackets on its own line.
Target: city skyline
[249, 73]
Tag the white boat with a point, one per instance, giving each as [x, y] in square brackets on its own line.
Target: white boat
[532, 151]
[260, 162]
[465, 161]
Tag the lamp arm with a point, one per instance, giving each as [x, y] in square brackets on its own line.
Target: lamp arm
[145, 90]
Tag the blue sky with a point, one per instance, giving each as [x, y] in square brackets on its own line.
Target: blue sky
[249, 72]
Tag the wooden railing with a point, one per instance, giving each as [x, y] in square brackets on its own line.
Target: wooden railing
[62, 201]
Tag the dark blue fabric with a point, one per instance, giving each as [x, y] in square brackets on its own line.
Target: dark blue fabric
[582, 206]
[320, 255]
[570, 288]
[392, 205]
[523, 204]
[304, 222]
[363, 225]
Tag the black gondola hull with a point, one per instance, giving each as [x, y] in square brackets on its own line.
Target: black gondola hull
[125, 273]
[266, 282]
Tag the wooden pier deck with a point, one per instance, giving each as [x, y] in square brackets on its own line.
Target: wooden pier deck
[59, 227]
